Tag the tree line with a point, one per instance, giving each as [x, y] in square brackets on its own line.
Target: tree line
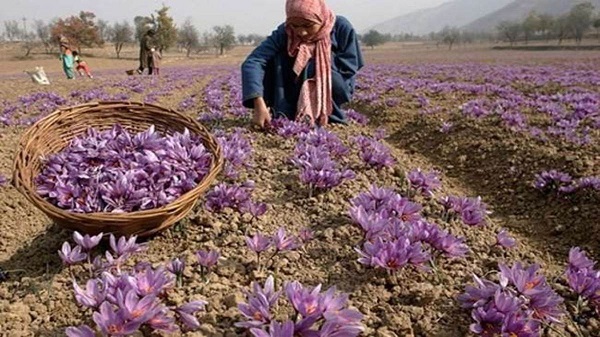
[575, 24]
[85, 30]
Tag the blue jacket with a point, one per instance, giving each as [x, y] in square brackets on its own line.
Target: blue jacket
[267, 71]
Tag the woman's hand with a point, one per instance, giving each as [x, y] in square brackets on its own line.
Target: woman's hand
[262, 115]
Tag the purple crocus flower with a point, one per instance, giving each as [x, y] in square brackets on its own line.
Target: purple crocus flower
[552, 180]
[186, 313]
[505, 302]
[579, 260]
[3, 180]
[487, 322]
[152, 282]
[259, 303]
[546, 304]
[516, 324]
[176, 266]
[374, 153]
[87, 242]
[472, 211]
[258, 243]
[71, 256]
[208, 258]
[80, 331]
[525, 280]
[337, 315]
[478, 295]
[446, 127]
[333, 329]
[123, 246]
[113, 323]
[162, 321]
[450, 245]
[393, 255]
[306, 234]
[256, 209]
[283, 242]
[136, 308]
[424, 182]
[276, 329]
[585, 283]
[306, 301]
[504, 240]
[93, 295]
[357, 117]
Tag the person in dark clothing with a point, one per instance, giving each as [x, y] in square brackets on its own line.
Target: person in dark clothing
[147, 48]
[306, 68]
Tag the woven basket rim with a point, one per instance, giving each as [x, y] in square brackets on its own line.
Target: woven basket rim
[29, 192]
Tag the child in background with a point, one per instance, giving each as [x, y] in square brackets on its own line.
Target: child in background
[81, 65]
[66, 57]
[156, 57]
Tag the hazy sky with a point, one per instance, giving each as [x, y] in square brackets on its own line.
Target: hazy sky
[246, 16]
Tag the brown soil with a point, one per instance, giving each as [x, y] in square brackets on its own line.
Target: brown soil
[475, 159]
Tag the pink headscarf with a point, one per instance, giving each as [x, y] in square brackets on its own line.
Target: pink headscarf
[315, 99]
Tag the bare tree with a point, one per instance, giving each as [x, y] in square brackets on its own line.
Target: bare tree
[254, 39]
[510, 31]
[44, 35]
[205, 43]
[223, 38]
[580, 20]
[120, 34]
[560, 28]
[140, 23]
[12, 30]
[530, 26]
[597, 26]
[373, 38]
[29, 42]
[546, 22]
[241, 38]
[188, 37]
[450, 35]
[103, 27]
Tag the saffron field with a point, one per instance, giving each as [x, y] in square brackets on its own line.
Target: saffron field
[462, 199]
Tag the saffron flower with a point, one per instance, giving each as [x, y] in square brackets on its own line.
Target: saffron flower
[515, 305]
[186, 313]
[86, 242]
[80, 331]
[258, 244]
[71, 256]
[504, 240]
[424, 182]
[112, 322]
[283, 242]
[316, 313]
[207, 259]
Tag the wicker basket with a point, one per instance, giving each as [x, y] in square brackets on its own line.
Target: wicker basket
[53, 133]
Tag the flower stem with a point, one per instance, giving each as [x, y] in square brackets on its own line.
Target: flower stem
[258, 262]
[549, 326]
[271, 262]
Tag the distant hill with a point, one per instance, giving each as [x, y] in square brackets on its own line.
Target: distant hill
[519, 9]
[453, 13]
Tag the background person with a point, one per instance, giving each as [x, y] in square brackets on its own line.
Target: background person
[147, 47]
[66, 57]
[82, 66]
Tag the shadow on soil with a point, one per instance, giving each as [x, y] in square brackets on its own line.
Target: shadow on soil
[500, 166]
[38, 258]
